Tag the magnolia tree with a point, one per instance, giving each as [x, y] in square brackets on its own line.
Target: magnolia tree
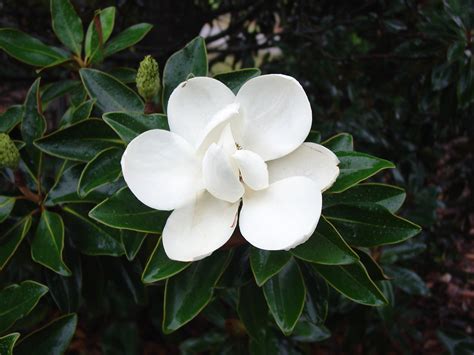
[200, 196]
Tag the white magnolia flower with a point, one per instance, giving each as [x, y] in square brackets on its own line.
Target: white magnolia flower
[223, 149]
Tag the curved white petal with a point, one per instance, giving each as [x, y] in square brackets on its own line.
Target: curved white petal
[252, 168]
[161, 169]
[282, 216]
[194, 231]
[310, 159]
[220, 176]
[276, 116]
[194, 103]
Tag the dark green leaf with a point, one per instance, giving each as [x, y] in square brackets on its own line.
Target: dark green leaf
[67, 25]
[186, 294]
[101, 170]
[408, 281]
[6, 206]
[89, 237]
[12, 238]
[314, 137]
[7, 343]
[442, 76]
[48, 243]
[370, 225]
[353, 282]
[29, 49]
[456, 51]
[33, 124]
[235, 79]
[10, 118]
[126, 276]
[128, 125]
[81, 141]
[266, 264]
[57, 89]
[17, 300]
[269, 346]
[308, 332]
[121, 338]
[252, 310]
[356, 167]
[65, 189]
[77, 114]
[388, 196]
[191, 60]
[405, 251]
[341, 142]
[160, 267]
[123, 210]
[52, 339]
[374, 270]
[317, 294]
[132, 242]
[387, 312]
[124, 74]
[285, 294]
[127, 38]
[325, 246]
[93, 45]
[111, 94]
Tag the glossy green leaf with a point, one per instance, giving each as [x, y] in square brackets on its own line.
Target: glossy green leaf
[235, 79]
[265, 263]
[308, 332]
[111, 94]
[90, 237]
[128, 125]
[314, 136]
[81, 141]
[101, 170]
[406, 251]
[191, 60]
[352, 281]
[48, 244]
[6, 206]
[342, 142]
[94, 43]
[317, 295]
[11, 239]
[253, 310]
[57, 89]
[356, 167]
[33, 124]
[160, 267]
[52, 339]
[124, 210]
[268, 346]
[10, 118]
[7, 343]
[370, 225]
[121, 338]
[388, 196]
[124, 74]
[30, 50]
[77, 114]
[407, 280]
[65, 189]
[374, 270]
[67, 25]
[132, 242]
[17, 300]
[325, 246]
[285, 294]
[127, 38]
[186, 295]
[126, 276]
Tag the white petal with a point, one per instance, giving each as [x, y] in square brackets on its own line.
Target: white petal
[221, 177]
[310, 159]
[194, 103]
[253, 169]
[196, 230]
[282, 216]
[161, 169]
[276, 116]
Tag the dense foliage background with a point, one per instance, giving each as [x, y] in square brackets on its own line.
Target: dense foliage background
[397, 75]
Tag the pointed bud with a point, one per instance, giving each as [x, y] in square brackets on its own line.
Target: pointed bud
[148, 78]
[9, 155]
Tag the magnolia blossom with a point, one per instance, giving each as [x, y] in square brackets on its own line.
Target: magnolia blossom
[226, 151]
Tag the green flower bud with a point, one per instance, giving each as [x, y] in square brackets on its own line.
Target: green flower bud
[148, 78]
[9, 155]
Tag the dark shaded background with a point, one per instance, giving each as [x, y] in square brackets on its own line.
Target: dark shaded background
[397, 75]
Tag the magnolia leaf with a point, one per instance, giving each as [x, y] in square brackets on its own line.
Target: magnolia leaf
[7, 343]
[253, 310]
[128, 125]
[308, 332]
[17, 300]
[235, 79]
[127, 38]
[160, 267]
[94, 43]
[11, 239]
[6, 206]
[67, 25]
[76, 114]
[132, 242]
[342, 142]
[10, 118]
[265, 263]
[52, 91]
[191, 60]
